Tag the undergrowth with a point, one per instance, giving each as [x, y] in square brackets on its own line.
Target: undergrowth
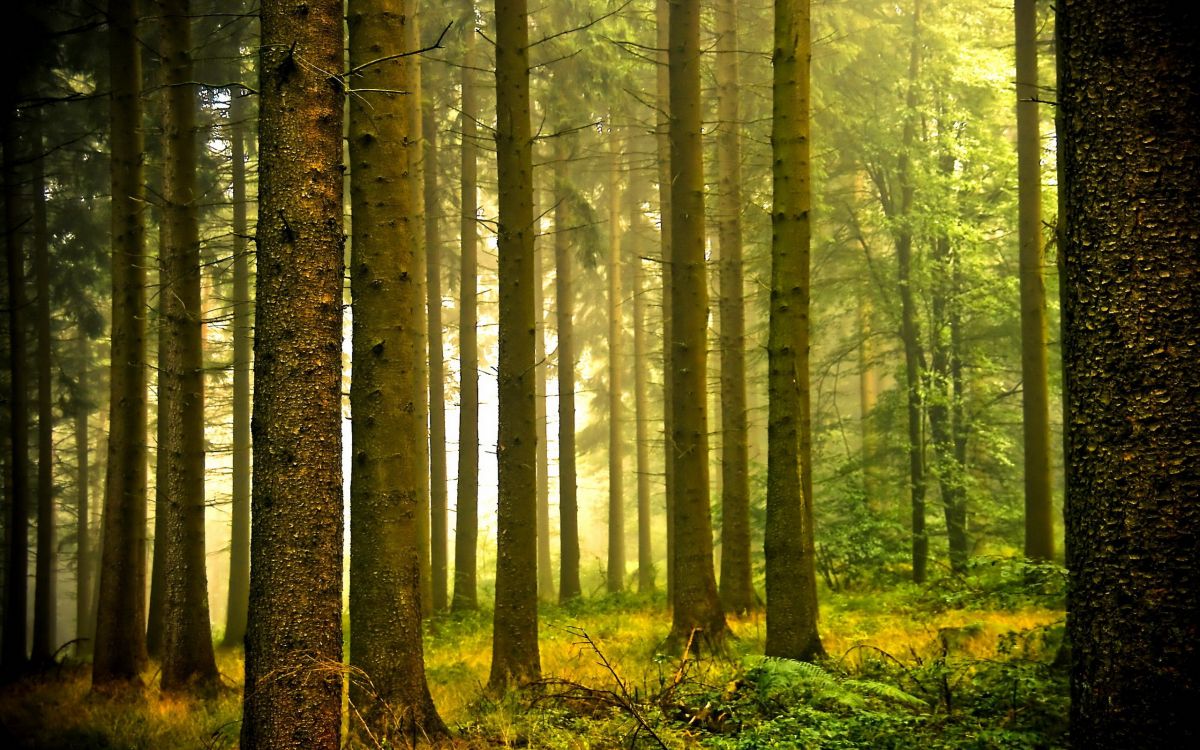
[966, 662]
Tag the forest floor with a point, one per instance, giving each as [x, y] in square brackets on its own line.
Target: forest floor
[963, 664]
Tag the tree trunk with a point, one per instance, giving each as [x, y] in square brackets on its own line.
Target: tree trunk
[1035, 389]
[868, 395]
[694, 594]
[616, 450]
[791, 573]
[388, 388]
[640, 366]
[663, 152]
[437, 377]
[121, 605]
[243, 341]
[514, 636]
[568, 508]
[84, 621]
[13, 655]
[46, 576]
[466, 531]
[1129, 150]
[293, 685]
[737, 587]
[545, 571]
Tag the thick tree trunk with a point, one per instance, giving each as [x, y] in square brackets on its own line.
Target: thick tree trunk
[568, 508]
[466, 531]
[1035, 389]
[121, 605]
[46, 575]
[737, 587]
[243, 359]
[791, 572]
[13, 655]
[437, 377]
[388, 388]
[293, 684]
[514, 635]
[187, 654]
[616, 450]
[663, 152]
[1129, 166]
[694, 588]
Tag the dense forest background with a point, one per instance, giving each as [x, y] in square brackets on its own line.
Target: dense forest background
[606, 374]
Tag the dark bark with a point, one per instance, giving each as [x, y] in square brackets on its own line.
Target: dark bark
[84, 620]
[663, 154]
[294, 634]
[121, 600]
[568, 508]
[696, 606]
[1129, 166]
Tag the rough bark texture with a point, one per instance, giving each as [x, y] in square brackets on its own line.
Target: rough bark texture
[696, 605]
[791, 573]
[514, 636]
[294, 634]
[1129, 165]
[737, 587]
[187, 654]
[46, 573]
[243, 360]
[615, 568]
[121, 601]
[437, 376]
[1035, 389]
[466, 530]
[388, 387]
[568, 507]
[663, 153]
[13, 657]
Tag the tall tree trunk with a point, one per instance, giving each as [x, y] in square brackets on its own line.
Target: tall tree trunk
[293, 692]
[868, 396]
[1129, 150]
[243, 341]
[694, 594]
[663, 152]
[121, 605]
[616, 450]
[13, 655]
[514, 635]
[437, 377]
[737, 587]
[1035, 389]
[791, 572]
[187, 654]
[545, 571]
[84, 620]
[388, 388]
[466, 531]
[46, 575]
[640, 365]
[568, 508]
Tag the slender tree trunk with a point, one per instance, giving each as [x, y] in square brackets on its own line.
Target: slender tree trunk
[467, 509]
[568, 508]
[868, 396]
[437, 377]
[243, 341]
[791, 573]
[388, 390]
[663, 138]
[514, 636]
[737, 587]
[545, 571]
[616, 449]
[45, 635]
[696, 605]
[121, 606]
[293, 692]
[13, 655]
[640, 364]
[187, 653]
[84, 620]
[1129, 146]
[1035, 389]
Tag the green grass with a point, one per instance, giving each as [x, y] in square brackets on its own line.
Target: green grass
[944, 666]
